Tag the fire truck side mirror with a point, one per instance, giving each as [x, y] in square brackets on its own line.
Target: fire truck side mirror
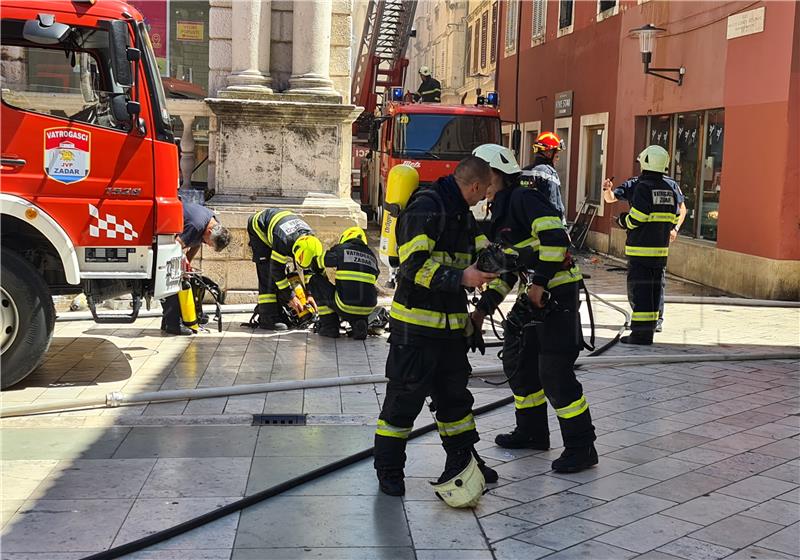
[121, 57]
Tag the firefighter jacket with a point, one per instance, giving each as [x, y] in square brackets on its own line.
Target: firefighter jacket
[356, 276]
[653, 213]
[542, 176]
[279, 229]
[430, 91]
[523, 220]
[437, 238]
[625, 190]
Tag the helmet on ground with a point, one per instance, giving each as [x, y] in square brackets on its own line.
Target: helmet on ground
[548, 141]
[424, 70]
[654, 158]
[354, 232]
[307, 249]
[498, 157]
[463, 490]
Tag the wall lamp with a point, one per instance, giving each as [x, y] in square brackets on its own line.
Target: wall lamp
[647, 35]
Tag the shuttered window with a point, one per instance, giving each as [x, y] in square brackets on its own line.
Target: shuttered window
[493, 49]
[476, 51]
[469, 50]
[511, 26]
[538, 21]
[484, 37]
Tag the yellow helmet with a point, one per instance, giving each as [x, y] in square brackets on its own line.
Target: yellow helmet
[354, 232]
[306, 250]
[463, 490]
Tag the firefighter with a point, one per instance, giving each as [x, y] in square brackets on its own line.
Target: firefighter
[200, 226]
[541, 173]
[654, 213]
[430, 90]
[354, 296]
[543, 330]
[278, 237]
[625, 192]
[438, 241]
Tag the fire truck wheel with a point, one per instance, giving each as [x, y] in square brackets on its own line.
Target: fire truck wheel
[28, 318]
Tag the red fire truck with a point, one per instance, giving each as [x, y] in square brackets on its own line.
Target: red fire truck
[89, 169]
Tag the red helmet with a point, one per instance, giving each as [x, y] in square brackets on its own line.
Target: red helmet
[548, 141]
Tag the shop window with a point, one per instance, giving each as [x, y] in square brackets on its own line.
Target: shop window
[660, 131]
[566, 16]
[687, 156]
[711, 175]
[493, 49]
[512, 13]
[539, 13]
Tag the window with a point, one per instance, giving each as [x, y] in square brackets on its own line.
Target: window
[450, 137]
[660, 129]
[566, 16]
[605, 5]
[468, 70]
[591, 158]
[563, 128]
[493, 48]
[606, 9]
[512, 14]
[539, 13]
[530, 131]
[484, 37]
[476, 52]
[711, 174]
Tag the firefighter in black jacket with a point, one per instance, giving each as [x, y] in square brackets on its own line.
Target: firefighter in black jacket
[355, 296]
[542, 339]
[278, 237]
[654, 213]
[430, 90]
[438, 241]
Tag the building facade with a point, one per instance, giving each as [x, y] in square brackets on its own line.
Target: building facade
[574, 67]
[481, 49]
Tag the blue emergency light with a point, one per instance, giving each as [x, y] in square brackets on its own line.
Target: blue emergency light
[492, 98]
[397, 94]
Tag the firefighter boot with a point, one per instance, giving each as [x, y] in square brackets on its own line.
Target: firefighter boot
[642, 338]
[489, 474]
[390, 456]
[531, 431]
[457, 461]
[359, 329]
[268, 320]
[328, 326]
[579, 452]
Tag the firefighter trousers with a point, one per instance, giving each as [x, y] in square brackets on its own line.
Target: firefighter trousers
[416, 371]
[539, 354]
[268, 309]
[171, 313]
[645, 294]
[328, 309]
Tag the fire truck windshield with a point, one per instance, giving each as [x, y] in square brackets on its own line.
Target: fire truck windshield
[448, 137]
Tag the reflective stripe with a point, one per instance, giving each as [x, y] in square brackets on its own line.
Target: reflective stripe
[324, 310]
[530, 242]
[646, 251]
[425, 273]
[427, 91]
[644, 316]
[639, 215]
[352, 309]
[387, 430]
[355, 276]
[456, 260]
[427, 318]
[267, 298]
[420, 243]
[500, 286]
[629, 222]
[481, 242]
[277, 257]
[273, 222]
[565, 277]
[573, 409]
[257, 228]
[282, 284]
[450, 429]
[546, 223]
[664, 217]
[529, 401]
[552, 254]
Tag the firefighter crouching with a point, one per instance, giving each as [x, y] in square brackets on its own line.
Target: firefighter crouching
[654, 213]
[354, 296]
[542, 338]
[438, 241]
[278, 237]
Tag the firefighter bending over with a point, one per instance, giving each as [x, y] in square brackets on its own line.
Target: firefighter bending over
[542, 338]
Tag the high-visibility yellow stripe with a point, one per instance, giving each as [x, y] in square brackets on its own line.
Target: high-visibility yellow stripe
[387, 430]
[450, 429]
[282, 284]
[644, 316]
[573, 409]
[427, 91]
[646, 251]
[428, 318]
[500, 286]
[629, 222]
[546, 223]
[257, 228]
[352, 309]
[324, 310]
[267, 298]
[530, 242]
[456, 260]
[552, 254]
[354, 276]
[565, 277]
[424, 275]
[420, 243]
[639, 215]
[273, 222]
[481, 242]
[529, 401]
[277, 257]
[664, 217]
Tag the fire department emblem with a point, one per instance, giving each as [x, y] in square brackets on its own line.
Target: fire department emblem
[66, 154]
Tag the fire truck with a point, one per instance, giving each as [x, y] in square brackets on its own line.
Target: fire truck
[89, 176]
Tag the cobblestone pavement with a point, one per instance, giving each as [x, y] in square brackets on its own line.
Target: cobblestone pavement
[698, 460]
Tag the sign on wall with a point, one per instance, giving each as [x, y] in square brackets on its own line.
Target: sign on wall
[564, 104]
[189, 30]
[746, 23]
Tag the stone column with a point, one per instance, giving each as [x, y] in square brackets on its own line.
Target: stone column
[247, 44]
[311, 56]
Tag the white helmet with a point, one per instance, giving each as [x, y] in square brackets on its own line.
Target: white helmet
[654, 158]
[463, 490]
[498, 157]
[424, 70]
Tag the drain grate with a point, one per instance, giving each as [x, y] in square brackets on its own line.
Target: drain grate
[279, 420]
